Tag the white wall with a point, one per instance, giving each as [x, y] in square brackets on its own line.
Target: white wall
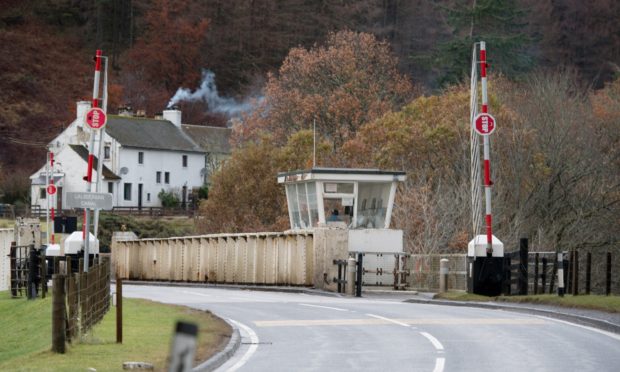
[154, 161]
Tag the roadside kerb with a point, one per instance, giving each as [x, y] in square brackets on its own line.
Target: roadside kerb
[246, 287]
[578, 319]
[220, 358]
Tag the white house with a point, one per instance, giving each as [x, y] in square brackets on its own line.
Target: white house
[141, 157]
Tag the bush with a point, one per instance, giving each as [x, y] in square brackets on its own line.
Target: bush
[168, 199]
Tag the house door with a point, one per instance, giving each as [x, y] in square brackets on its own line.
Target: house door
[139, 196]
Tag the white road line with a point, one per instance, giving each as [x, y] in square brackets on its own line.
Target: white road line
[325, 307]
[609, 334]
[251, 349]
[389, 320]
[439, 364]
[433, 340]
[196, 294]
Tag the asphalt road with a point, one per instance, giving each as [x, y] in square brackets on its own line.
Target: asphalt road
[302, 332]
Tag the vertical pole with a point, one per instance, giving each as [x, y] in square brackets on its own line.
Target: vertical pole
[536, 275]
[443, 275]
[569, 273]
[544, 274]
[560, 264]
[360, 270]
[101, 138]
[53, 198]
[523, 266]
[47, 196]
[588, 271]
[119, 310]
[89, 174]
[575, 273]
[13, 259]
[487, 150]
[31, 291]
[58, 314]
[608, 276]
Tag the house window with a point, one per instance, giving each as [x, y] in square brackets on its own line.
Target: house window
[140, 157]
[158, 177]
[106, 152]
[127, 191]
[184, 161]
[148, 196]
[110, 187]
[167, 177]
[43, 194]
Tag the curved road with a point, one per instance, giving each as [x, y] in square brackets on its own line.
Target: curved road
[301, 332]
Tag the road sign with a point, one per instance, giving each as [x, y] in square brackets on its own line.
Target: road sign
[96, 118]
[51, 189]
[484, 124]
[89, 200]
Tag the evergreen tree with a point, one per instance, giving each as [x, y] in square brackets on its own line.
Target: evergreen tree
[500, 23]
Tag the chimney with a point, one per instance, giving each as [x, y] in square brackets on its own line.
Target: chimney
[82, 108]
[174, 116]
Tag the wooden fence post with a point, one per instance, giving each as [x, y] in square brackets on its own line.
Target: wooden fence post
[575, 273]
[523, 266]
[608, 276]
[536, 276]
[58, 314]
[119, 310]
[588, 271]
[544, 274]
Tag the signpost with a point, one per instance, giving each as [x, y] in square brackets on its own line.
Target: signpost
[96, 118]
[89, 200]
[484, 124]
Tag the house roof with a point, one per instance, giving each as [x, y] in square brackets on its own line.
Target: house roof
[149, 134]
[83, 153]
[210, 139]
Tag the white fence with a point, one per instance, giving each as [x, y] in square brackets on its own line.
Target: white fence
[257, 258]
[6, 238]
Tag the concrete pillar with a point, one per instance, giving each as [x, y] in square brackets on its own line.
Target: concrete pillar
[351, 264]
[443, 275]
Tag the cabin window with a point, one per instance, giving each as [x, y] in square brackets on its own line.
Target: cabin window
[184, 161]
[158, 177]
[140, 157]
[167, 177]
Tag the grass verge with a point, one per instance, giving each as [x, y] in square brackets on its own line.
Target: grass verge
[594, 302]
[147, 332]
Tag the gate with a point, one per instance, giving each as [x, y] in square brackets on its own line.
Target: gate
[28, 271]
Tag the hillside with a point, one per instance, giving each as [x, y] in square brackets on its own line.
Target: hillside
[157, 46]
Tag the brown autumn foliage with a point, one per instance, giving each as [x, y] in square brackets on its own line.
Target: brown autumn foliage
[351, 80]
[167, 56]
[245, 196]
[39, 71]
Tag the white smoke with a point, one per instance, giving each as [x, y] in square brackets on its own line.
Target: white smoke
[207, 92]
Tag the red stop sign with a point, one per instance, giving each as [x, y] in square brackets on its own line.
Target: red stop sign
[96, 118]
[51, 189]
[484, 124]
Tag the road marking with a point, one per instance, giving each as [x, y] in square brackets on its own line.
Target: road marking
[433, 340]
[609, 334]
[325, 307]
[439, 364]
[389, 320]
[403, 322]
[251, 349]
